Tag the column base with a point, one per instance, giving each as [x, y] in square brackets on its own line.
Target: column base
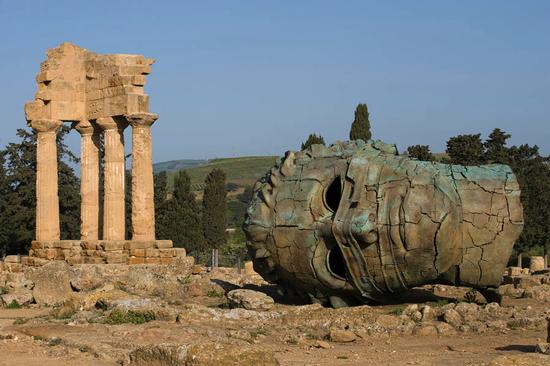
[104, 252]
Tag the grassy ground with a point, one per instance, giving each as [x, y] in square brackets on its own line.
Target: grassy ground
[241, 170]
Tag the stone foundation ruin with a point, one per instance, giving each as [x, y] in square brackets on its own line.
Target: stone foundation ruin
[100, 95]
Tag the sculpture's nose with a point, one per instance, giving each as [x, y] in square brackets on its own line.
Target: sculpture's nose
[363, 227]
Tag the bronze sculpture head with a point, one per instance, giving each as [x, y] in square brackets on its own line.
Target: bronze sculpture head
[356, 222]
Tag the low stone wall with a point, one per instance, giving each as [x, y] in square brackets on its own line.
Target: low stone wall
[97, 252]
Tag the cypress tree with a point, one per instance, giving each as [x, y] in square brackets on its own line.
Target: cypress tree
[186, 224]
[313, 139]
[420, 152]
[214, 212]
[495, 147]
[360, 128]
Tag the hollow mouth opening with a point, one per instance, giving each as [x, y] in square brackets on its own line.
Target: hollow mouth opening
[336, 263]
[333, 194]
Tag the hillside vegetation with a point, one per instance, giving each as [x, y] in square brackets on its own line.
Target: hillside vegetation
[240, 170]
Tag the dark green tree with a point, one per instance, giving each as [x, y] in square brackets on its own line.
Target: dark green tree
[4, 192]
[236, 208]
[128, 204]
[313, 139]
[420, 152]
[466, 150]
[69, 188]
[360, 128]
[186, 225]
[495, 147]
[214, 212]
[162, 217]
[533, 173]
[161, 204]
[20, 174]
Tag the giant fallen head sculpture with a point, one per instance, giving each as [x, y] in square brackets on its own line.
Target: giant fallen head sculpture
[356, 222]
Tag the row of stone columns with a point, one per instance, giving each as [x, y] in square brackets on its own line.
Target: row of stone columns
[113, 223]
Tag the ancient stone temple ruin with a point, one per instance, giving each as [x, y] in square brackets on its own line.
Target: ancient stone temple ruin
[100, 95]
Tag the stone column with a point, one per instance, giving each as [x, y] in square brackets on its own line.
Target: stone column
[143, 206]
[113, 201]
[89, 180]
[47, 199]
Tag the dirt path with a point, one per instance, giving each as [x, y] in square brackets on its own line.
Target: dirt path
[45, 344]
[413, 350]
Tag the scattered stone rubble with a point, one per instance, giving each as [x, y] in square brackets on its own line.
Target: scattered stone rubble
[241, 314]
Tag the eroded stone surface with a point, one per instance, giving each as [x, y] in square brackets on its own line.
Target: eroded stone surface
[97, 94]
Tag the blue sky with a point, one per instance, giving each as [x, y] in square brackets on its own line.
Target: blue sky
[256, 77]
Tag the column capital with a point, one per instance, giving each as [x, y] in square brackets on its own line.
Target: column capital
[85, 127]
[112, 123]
[45, 125]
[141, 119]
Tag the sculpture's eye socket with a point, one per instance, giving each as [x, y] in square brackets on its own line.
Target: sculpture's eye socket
[335, 262]
[333, 194]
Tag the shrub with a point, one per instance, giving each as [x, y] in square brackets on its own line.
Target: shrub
[397, 310]
[130, 316]
[214, 293]
[14, 305]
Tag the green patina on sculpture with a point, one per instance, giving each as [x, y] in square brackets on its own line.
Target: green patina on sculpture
[356, 222]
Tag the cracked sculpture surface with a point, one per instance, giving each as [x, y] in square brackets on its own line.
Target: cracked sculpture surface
[356, 222]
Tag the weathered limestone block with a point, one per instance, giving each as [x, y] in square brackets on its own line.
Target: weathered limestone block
[75, 84]
[137, 252]
[180, 253]
[12, 259]
[356, 222]
[152, 252]
[166, 253]
[536, 263]
[250, 299]
[152, 260]
[163, 244]
[166, 260]
[136, 260]
[52, 283]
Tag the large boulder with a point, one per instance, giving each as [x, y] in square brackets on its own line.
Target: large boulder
[20, 296]
[250, 299]
[452, 317]
[342, 335]
[52, 283]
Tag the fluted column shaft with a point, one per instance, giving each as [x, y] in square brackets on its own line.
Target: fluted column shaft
[47, 199]
[89, 180]
[143, 206]
[113, 202]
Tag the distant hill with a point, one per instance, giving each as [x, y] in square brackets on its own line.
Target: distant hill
[240, 171]
[175, 165]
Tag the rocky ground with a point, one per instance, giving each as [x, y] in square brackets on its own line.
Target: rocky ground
[184, 315]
